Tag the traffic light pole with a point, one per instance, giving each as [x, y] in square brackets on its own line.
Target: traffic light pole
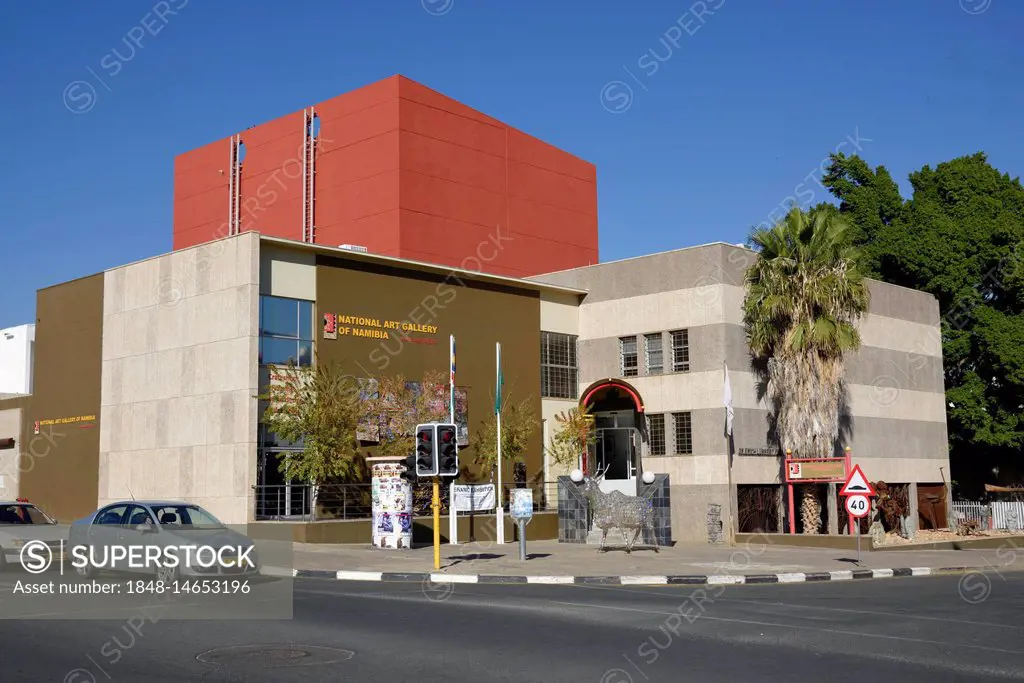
[437, 522]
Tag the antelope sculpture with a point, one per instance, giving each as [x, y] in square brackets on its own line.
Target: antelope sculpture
[616, 510]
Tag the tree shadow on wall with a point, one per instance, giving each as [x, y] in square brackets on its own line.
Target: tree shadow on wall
[846, 419]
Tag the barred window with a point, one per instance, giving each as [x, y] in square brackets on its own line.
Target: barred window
[656, 431]
[628, 357]
[680, 350]
[653, 353]
[683, 433]
[559, 366]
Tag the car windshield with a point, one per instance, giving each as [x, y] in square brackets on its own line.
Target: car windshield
[22, 514]
[186, 516]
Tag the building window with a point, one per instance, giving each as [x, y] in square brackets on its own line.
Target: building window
[653, 354]
[628, 357]
[680, 350]
[286, 331]
[683, 433]
[656, 431]
[559, 368]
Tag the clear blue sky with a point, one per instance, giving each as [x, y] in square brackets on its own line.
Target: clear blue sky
[714, 140]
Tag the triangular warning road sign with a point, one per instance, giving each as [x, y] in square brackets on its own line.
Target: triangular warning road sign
[857, 484]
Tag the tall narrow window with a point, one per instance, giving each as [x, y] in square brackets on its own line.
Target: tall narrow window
[628, 357]
[653, 353]
[286, 331]
[559, 368]
[680, 350]
[683, 433]
[656, 432]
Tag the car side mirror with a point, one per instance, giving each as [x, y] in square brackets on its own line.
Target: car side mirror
[146, 528]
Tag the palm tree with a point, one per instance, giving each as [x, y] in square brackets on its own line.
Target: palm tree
[804, 297]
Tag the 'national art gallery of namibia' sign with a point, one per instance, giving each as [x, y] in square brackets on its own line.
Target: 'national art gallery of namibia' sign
[336, 325]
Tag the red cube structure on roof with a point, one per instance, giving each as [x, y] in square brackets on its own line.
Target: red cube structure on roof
[403, 171]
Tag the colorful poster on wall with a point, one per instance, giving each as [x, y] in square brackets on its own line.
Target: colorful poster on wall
[392, 506]
[436, 403]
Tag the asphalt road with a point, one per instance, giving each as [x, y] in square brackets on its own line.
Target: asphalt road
[945, 628]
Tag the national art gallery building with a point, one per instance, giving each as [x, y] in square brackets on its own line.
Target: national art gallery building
[145, 375]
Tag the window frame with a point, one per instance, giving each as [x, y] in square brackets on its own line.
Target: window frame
[549, 370]
[652, 419]
[676, 449]
[683, 364]
[648, 337]
[303, 339]
[623, 369]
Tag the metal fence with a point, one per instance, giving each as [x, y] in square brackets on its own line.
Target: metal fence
[1003, 515]
[293, 502]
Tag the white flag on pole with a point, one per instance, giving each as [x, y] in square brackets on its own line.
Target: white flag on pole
[727, 402]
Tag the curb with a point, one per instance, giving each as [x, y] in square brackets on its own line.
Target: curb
[658, 580]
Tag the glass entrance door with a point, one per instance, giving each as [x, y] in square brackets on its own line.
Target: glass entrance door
[615, 448]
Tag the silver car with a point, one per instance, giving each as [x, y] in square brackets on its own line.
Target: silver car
[22, 522]
[158, 527]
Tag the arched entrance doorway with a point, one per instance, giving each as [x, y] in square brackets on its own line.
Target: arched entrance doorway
[618, 414]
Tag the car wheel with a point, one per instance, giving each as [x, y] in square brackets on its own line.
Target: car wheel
[168, 575]
[87, 572]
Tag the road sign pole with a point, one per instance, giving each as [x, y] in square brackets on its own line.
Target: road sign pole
[437, 522]
[522, 540]
[858, 541]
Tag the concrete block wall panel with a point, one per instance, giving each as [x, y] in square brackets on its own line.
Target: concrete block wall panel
[178, 417]
[690, 509]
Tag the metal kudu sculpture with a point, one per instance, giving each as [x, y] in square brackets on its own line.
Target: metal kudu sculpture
[616, 510]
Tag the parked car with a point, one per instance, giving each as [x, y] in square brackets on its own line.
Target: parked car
[21, 522]
[164, 526]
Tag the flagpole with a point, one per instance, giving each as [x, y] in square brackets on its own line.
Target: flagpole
[451, 381]
[453, 514]
[499, 508]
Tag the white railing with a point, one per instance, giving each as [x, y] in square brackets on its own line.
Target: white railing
[972, 510]
[1001, 513]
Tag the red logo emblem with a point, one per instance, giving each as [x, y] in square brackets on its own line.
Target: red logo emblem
[331, 325]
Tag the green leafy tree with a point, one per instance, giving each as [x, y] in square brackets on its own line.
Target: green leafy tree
[318, 407]
[518, 422]
[574, 434]
[870, 201]
[960, 238]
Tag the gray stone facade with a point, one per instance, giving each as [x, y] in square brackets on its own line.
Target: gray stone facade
[894, 418]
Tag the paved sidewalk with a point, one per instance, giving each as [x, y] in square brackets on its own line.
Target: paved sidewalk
[551, 558]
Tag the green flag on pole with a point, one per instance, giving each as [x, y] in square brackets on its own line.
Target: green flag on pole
[499, 383]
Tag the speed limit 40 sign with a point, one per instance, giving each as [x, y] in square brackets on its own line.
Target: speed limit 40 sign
[858, 506]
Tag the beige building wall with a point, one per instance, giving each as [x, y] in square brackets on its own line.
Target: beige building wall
[180, 349]
[10, 464]
[558, 313]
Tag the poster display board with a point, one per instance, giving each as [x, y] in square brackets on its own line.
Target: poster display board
[392, 505]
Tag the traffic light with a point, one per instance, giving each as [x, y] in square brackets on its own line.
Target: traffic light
[426, 452]
[410, 468]
[448, 450]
